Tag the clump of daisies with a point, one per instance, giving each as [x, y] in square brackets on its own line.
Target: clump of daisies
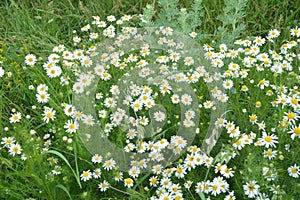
[128, 107]
[12, 146]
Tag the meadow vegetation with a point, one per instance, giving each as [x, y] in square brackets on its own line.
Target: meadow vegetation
[226, 71]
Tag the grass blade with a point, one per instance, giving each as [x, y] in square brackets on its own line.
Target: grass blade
[63, 188]
[76, 175]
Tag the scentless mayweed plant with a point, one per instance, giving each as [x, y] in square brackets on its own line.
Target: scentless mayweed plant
[134, 109]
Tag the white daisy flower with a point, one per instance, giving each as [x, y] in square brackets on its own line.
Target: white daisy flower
[78, 88]
[48, 114]
[96, 158]
[85, 28]
[295, 131]
[268, 140]
[97, 173]
[294, 171]
[227, 84]
[86, 175]
[251, 189]
[159, 116]
[188, 61]
[109, 164]
[1, 72]
[53, 58]
[103, 186]
[295, 32]
[15, 117]
[54, 72]
[7, 141]
[111, 18]
[128, 182]
[30, 59]
[71, 126]
[86, 61]
[186, 99]
[15, 149]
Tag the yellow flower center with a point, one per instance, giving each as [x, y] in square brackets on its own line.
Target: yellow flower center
[252, 117]
[209, 54]
[177, 198]
[251, 187]
[258, 103]
[268, 139]
[291, 115]
[179, 170]
[294, 170]
[297, 131]
[85, 174]
[175, 189]
[128, 180]
[206, 186]
[15, 149]
[191, 158]
[153, 180]
[294, 101]
[79, 114]
[72, 126]
[215, 187]
[105, 75]
[262, 82]
[8, 141]
[180, 141]
[270, 152]
[233, 131]
[283, 124]
[136, 105]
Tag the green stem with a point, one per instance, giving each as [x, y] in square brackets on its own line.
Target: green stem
[119, 190]
[76, 163]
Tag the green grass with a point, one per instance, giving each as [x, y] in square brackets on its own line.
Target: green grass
[37, 26]
[40, 24]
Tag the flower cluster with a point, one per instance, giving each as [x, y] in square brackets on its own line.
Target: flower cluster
[149, 92]
[13, 147]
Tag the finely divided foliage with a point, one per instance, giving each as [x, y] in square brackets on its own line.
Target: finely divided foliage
[140, 107]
